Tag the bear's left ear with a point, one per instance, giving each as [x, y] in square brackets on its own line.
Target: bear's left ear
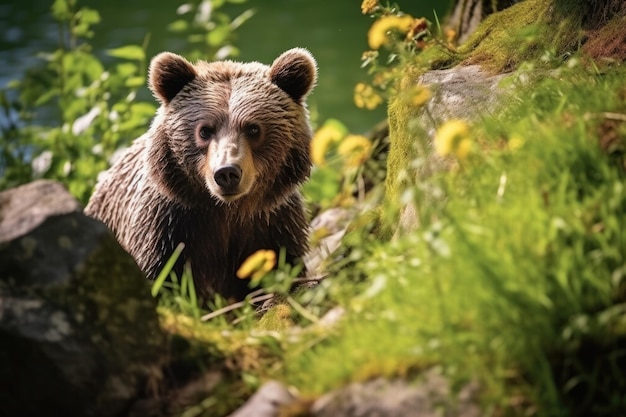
[168, 74]
[295, 72]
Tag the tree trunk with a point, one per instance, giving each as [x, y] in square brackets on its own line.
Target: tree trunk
[467, 15]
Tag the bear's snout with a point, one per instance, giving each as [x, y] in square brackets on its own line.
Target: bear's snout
[228, 178]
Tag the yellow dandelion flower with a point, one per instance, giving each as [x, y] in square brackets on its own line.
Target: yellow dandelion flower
[453, 137]
[515, 142]
[377, 34]
[329, 133]
[419, 95]
[369, 6]
[257, 264]
[355, 149]
[463, 148]
[365, 97]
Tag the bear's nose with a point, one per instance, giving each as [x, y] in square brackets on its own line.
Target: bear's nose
[228, 177]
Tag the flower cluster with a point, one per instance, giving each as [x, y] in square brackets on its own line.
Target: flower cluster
[369, 6]
[365, 97]
[353, 150]
[381, 29]
[393, 38]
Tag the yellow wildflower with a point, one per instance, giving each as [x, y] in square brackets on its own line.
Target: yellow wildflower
[377, 34]
[515, 142]
[331, 132]
[419, 95]
[366, 97]
[369, 6]
[355, 149]
[450, 35]
[257, 264]
[463, 148]
[453, 137]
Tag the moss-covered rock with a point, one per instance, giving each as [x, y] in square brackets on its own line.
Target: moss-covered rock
[529, 29]
[78, 327]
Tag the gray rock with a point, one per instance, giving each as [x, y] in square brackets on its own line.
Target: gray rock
[79, 334]
[463, 92]
[430, 397]
[23, 208]
[266, 402]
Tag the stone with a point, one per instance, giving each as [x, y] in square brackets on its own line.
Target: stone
[79, 333]
[23, 208]
[266, 402]
[430, 397]
[463, 92]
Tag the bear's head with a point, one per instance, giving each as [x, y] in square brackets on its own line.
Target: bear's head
[238, 133]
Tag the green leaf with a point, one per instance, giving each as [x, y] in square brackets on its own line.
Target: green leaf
[135, 81]
[92, 67]
[218, 36]
[158, 282]
[130, 52]
[179, 25]
[44, 98]
[126, 69]
[88, 16]
[143, 109]
[60, 9]
[242, 18]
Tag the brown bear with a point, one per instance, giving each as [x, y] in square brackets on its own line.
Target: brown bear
[219, 169]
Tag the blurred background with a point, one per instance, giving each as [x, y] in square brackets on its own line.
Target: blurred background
[334, 31]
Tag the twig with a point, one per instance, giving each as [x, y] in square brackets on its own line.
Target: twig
[606, 115]
[235, 306]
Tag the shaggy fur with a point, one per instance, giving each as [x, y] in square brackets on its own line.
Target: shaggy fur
[218, 170]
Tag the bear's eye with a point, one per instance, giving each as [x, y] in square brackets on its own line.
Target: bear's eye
[252, 130]
[206, 132]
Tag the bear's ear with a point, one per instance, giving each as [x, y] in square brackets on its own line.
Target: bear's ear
[168, 74]
[295, 72]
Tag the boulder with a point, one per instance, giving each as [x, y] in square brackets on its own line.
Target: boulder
[430, 397]
[79, 333]
[462, 92]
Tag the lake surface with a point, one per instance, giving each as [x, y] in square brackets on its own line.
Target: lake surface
[334, 31]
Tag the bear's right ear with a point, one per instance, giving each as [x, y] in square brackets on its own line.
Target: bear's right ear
[168, 74]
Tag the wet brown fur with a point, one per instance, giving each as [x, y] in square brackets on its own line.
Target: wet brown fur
[161, 192]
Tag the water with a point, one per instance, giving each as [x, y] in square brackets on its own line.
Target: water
[334, 31]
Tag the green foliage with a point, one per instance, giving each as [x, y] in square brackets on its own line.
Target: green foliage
[208, 31]
[73, 113]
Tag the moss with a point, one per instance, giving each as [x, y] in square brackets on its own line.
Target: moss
[516, 34]
[525, 31]
[402, 149]
[607, 42]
